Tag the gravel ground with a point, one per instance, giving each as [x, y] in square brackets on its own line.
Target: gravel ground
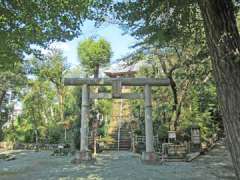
[29, 165]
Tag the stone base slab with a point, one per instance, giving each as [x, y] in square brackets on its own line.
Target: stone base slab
[82, 156]
[149, 157]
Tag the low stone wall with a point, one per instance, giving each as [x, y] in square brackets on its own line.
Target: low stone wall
[33, 146]
[177, 150]
[28, 146]
[2, 145]
[6, 145]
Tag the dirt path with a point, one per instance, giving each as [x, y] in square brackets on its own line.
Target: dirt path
[29, 165]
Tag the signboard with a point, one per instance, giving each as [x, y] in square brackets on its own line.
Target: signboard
[172, 135]
[195, 136]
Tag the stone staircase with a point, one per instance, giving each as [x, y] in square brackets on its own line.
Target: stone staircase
[124, 139]
[121, 113]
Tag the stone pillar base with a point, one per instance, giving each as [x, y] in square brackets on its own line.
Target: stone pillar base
[82, 156]
[149, 157]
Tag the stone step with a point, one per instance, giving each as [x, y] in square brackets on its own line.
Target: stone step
[115, 149]
[123, 145]
[124, 139]
[115, 146]
[121, 130]
[115, 137]
[121, 133]
[121, 142]
[120, 146]
[121, 137]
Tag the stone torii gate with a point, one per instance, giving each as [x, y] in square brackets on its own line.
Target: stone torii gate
[116, 84]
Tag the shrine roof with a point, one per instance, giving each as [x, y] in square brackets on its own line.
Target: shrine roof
[122, 68]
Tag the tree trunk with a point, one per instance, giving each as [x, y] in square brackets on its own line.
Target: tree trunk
[175, 93]
[96, 71]
[95, 122]
[2, 97]
[176, 111]
[61, 105]
[176, 115]
[224, 46]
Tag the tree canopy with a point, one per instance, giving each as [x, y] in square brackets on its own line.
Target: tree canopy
[27, 23]
[93, 54]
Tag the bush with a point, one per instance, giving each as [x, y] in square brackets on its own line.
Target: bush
[56, 134]
[138, 132]
[76, 134]
[163, 132]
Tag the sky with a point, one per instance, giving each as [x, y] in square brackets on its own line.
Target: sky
[121, 43]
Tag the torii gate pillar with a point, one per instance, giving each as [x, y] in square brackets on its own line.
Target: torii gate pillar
[150, 154]
[148, 119]
[84, 154]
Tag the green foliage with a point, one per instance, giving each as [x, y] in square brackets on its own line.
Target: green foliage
[102, 130]
[155, 22]
[12, 78]
[104, 106]
[44, 101]
[24, 23]
[20, 131]
[93, 53]
[163, 132]
[198, 101]
[203, 111]
[138, 132]
[55, 133]
[76, 134]
[11, 81]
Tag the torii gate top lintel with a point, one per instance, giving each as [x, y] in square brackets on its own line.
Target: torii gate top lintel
[111, 81]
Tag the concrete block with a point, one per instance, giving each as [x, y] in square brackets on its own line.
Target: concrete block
[82, 156]
[149, 156]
